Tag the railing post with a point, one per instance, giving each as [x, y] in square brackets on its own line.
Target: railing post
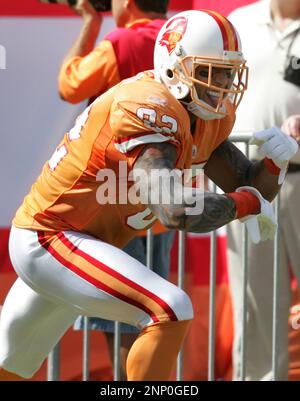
[276, 281]
[86, 349]
[181, 267]
[149, 249]
[53, 364]
[117, 356]
[212, 304]
[244, 294]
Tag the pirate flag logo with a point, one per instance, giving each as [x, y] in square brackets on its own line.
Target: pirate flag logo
[174, 32]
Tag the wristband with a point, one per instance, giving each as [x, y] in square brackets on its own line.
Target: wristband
[271, 166]
[245, 203]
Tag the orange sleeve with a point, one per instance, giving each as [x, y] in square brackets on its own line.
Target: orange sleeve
[83, 77]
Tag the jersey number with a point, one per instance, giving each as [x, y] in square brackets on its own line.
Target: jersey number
[150, 120]
[138, 221]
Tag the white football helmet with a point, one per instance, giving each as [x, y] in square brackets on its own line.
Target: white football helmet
[204, 41]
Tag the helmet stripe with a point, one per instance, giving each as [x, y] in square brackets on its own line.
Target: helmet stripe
[229, 36]
[236, 42]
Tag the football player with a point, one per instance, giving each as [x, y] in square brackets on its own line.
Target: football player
[65, 242]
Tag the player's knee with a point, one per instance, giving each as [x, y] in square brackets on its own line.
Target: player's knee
[182, 306]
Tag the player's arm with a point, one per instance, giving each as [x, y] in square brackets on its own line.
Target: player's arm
[230, 169]
[217, 209]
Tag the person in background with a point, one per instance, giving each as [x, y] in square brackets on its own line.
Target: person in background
[270, 33]
[89, 70]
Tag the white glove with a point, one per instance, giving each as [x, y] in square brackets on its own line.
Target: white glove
[261, 227]
[276, 145]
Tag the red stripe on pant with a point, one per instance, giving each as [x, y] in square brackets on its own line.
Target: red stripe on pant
[118, 276]
[85, 276]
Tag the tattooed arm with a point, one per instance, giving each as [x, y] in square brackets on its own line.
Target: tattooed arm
[230, 169]
[217, 211]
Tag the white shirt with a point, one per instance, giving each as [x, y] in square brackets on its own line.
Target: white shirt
[269, 100]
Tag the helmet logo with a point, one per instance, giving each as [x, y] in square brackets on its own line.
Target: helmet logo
[174, 32]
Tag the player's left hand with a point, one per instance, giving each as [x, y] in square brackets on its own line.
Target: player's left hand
[261, 227]
[276, 145]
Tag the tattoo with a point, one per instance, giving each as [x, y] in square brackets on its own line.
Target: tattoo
[229, 168]
[157, 155]
[218, 209]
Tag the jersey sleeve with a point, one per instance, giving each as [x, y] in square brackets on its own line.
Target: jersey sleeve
[83, 77]
[136, 123]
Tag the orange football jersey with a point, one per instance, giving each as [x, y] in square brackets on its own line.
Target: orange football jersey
[114, 129]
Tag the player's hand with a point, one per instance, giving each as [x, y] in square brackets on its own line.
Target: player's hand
[260, 227]
[85, 9]
[276, 145]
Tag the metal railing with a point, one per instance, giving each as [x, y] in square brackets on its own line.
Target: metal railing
[53, 359]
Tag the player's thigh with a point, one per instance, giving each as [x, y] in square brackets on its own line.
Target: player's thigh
[136, 294]
[99, 280]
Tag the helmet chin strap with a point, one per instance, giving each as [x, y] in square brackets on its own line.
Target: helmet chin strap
[202, 112]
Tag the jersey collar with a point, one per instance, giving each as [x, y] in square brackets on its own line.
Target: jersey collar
[134, 24]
